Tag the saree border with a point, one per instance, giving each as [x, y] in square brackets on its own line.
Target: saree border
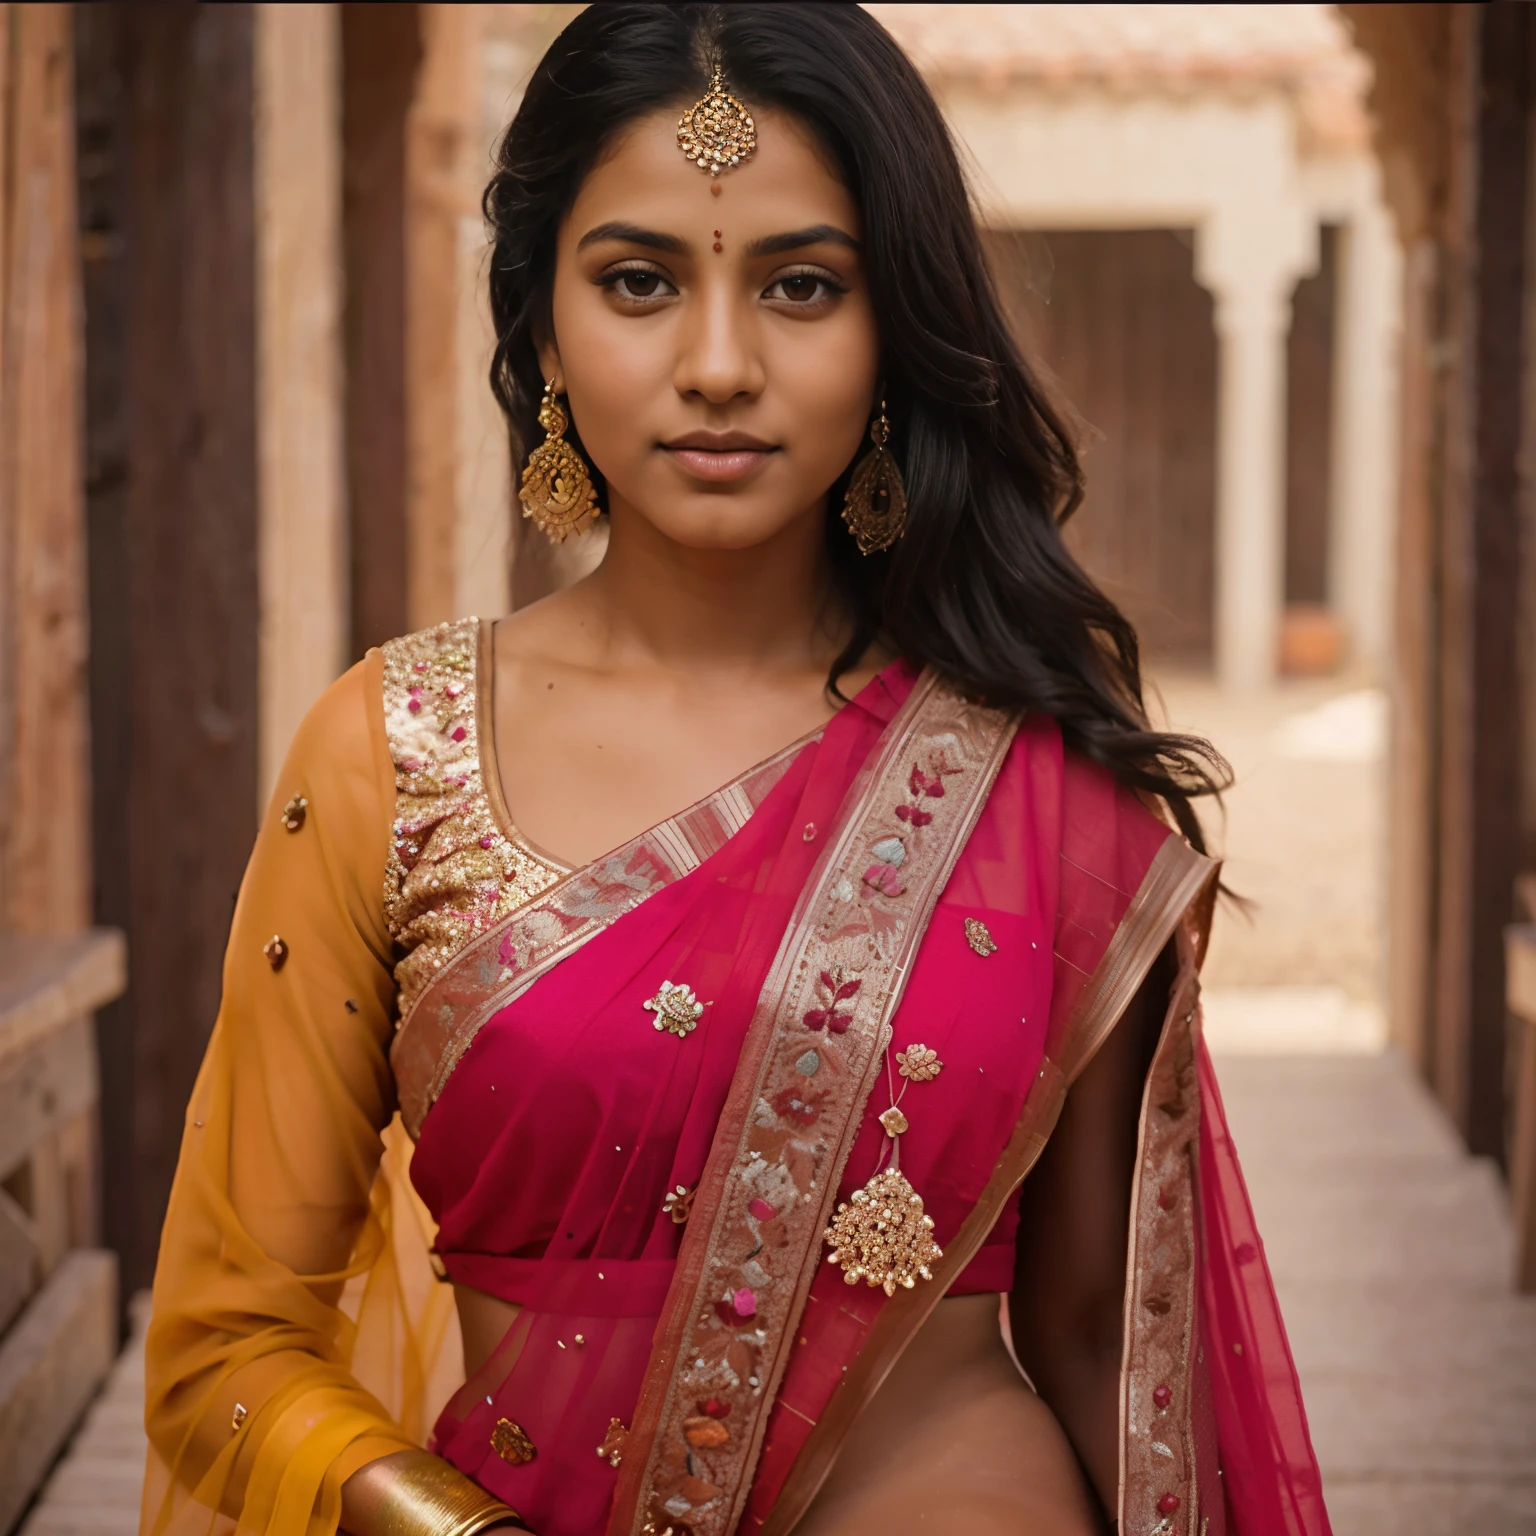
[1160, 1481]
[498, 965]
[1173, 882]
[729, 1319]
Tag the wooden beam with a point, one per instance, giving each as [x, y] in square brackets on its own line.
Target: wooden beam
[301, 482]
[44, 983]
[1520, 982]
[442, 134]
[44, 823]
[1409, 46]
[51, 1364]
[381, 52]
[167, 120]
[1480, 729]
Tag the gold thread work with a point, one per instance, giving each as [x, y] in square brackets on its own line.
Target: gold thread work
[716, 132]
[875, 506]
[557, 491]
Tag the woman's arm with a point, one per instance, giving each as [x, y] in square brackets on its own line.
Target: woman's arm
[253, 1404]
[1066, 1312]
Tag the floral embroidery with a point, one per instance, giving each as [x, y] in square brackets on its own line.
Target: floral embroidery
[295, 812]
[832, 1017]
[451, 872]
[799, 1105]
[679, 1204]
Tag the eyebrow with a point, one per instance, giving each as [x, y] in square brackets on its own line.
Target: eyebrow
[768, 245]
[795, 239]
[631, 234]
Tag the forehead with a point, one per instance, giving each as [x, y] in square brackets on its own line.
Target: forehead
[789, 183]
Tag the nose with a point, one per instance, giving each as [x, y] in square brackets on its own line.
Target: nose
[719, 357]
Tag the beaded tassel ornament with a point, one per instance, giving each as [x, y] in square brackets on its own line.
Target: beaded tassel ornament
[881, 1234]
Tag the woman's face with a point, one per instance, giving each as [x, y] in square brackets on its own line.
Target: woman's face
[718, 349]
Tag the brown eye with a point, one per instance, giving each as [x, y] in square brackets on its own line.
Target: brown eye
[801, 287]
[639, 285]
[804, 290]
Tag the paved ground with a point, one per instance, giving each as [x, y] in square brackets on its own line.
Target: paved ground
[1390, 1247]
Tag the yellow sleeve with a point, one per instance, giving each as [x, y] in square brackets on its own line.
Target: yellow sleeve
[279, 1221]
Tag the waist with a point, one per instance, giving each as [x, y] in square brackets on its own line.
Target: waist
[638, 1287]
[579, 1287]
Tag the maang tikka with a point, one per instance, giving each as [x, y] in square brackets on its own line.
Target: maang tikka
[557, 491]
[875, 506]
[717, 131]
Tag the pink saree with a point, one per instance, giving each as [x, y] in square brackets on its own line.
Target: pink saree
[922, 873]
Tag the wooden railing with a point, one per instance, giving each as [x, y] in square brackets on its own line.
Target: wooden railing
[1520, 993]
[58, 1290]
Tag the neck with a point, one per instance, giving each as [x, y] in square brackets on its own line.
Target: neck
[659, 603]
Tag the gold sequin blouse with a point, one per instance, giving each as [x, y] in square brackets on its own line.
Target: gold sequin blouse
[456, 865]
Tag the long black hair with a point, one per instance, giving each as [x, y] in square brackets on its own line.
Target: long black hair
[981, 586]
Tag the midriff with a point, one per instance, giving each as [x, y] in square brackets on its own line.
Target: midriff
[953, 1442]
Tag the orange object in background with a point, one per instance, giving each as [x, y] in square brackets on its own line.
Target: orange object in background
[1311, 640]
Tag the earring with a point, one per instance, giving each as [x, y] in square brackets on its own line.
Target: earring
[557, 490]
[875, 508]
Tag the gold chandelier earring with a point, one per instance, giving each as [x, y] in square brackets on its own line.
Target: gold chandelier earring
[557, 490]
[875, 507]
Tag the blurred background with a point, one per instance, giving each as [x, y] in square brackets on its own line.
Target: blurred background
[1280, 261]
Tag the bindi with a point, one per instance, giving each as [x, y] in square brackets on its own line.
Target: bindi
[718, 246]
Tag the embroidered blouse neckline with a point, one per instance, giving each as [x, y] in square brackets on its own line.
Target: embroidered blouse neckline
[490, 761]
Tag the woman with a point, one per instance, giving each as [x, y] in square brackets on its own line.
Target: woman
[735, 929]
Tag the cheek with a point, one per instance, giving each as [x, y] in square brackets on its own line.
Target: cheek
[827, 379]
[611, 365]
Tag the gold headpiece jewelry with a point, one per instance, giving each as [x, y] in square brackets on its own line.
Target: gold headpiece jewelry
[717, 132]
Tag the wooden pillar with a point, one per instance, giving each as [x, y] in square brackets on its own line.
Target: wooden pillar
[301, 484]
[166, 124]
[441, 137]
[1480, 726]
[44, 819]
[381, 53]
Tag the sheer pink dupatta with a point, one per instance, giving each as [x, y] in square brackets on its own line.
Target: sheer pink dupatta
[1270, 1473]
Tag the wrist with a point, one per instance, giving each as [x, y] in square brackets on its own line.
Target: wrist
[414, 1493]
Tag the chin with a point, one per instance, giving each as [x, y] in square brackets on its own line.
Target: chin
[718, 523]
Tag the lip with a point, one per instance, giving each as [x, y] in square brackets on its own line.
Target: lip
[718, 456]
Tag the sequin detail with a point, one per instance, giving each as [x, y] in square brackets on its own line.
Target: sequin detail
[510, 1441]
[979, 937]
[452, 873]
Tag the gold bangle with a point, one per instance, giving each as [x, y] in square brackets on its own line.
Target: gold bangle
[425, 1496]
